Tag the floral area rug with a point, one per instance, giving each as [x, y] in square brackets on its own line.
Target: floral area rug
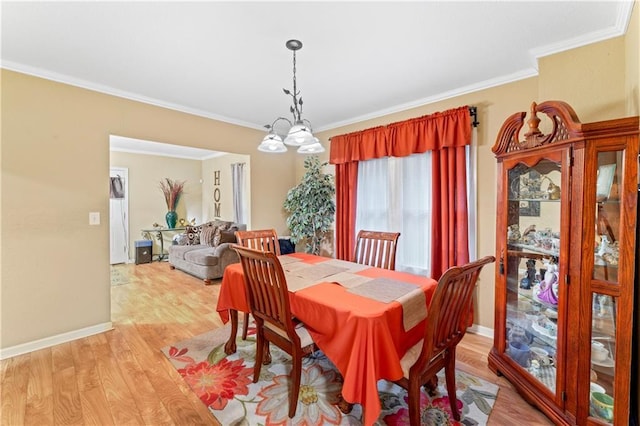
[225, 385]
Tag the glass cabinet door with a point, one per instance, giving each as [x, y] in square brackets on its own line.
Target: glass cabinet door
[605, 277]
[532, 268]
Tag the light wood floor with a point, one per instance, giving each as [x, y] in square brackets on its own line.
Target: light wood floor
[121, 377]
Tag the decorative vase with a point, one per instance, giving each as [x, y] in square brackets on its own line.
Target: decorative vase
[172, 218]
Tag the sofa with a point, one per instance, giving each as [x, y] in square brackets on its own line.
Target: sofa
[205, 250]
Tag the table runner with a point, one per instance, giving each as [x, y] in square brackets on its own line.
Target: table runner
[286, 259]
[385, 290]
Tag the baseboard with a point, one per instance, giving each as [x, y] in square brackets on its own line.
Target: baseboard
[54, 340]
[482, 331]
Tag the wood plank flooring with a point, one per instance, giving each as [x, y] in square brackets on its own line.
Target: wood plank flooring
[121, 377]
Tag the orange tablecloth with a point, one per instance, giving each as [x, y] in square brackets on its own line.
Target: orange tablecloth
[364, 338]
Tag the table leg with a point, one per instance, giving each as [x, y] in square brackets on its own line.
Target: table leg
[161, 255]
[230, 346]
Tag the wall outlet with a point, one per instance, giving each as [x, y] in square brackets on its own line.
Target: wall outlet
[94, 218]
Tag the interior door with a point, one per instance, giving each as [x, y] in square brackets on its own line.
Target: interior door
[119, 215]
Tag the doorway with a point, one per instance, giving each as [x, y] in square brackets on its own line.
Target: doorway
[119, 215]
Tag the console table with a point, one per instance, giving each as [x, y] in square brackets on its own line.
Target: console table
[158, 234]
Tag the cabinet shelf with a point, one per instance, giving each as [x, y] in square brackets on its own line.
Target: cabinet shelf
[528, 250]
[542, 200]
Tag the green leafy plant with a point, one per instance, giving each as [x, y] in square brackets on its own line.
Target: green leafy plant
[311, 206]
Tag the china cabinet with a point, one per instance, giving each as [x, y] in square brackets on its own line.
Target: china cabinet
[566, 250]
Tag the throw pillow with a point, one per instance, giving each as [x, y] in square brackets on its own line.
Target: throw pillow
[193, 235]
[218, 234]
[229, 236]
[207, 235]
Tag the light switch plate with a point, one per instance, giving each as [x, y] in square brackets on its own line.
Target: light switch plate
[94, 218]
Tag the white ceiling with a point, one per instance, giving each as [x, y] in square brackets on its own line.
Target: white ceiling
[228, 61]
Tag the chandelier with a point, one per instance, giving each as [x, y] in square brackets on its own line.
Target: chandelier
[299, 131]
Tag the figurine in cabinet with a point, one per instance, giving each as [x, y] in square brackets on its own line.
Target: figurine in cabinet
[513, 233]
[529, 279]
[547, 291]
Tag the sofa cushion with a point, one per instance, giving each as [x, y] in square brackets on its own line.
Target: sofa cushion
[207, 235]
[204, 256]
[178, 251]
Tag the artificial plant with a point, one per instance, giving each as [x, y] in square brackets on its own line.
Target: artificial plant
[311, 206]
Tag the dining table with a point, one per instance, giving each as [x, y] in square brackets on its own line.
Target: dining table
[363, 318]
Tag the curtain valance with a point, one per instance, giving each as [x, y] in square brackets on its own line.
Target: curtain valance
[432, 132]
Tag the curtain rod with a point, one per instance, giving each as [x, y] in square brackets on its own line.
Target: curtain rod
[473, 111]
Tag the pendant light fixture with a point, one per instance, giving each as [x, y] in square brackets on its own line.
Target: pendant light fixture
[299, 133]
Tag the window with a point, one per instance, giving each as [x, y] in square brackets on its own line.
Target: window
[394, 194]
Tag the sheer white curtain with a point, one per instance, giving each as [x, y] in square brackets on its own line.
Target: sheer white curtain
[394, 194]
[237, 182]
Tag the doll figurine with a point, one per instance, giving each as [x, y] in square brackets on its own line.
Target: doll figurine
[549, 285]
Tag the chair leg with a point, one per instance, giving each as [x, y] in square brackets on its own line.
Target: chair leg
[450, 377]
[245, 326]
[259, 354]
[296, 372]
[413, 399]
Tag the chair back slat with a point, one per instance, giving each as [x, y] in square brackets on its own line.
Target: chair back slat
[261, 239]
[450, 309]
[376, 249]
[267, 289]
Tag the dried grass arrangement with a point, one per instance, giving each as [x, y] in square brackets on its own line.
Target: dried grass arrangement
[172, 190]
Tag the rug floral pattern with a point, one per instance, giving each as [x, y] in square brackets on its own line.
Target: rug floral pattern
[225, 385]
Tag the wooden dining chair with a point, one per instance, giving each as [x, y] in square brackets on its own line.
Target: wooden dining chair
[375, 248]
[269, 303]
[259, 239]
[448, 317]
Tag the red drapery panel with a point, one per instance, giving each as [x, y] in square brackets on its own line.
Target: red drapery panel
[449, 220]
[446, 130]
[346, 190]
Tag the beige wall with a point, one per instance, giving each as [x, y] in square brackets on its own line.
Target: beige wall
[55, 163]
[591, 79]
[223, 165]
[55, 170]
[632, 47]
[146, 201]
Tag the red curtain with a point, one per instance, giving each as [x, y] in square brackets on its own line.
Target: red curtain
[446, 133]
[449, 220]
[346, 190]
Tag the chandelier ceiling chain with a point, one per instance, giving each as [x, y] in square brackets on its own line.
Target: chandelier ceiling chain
[297, 113]
[300, 132]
